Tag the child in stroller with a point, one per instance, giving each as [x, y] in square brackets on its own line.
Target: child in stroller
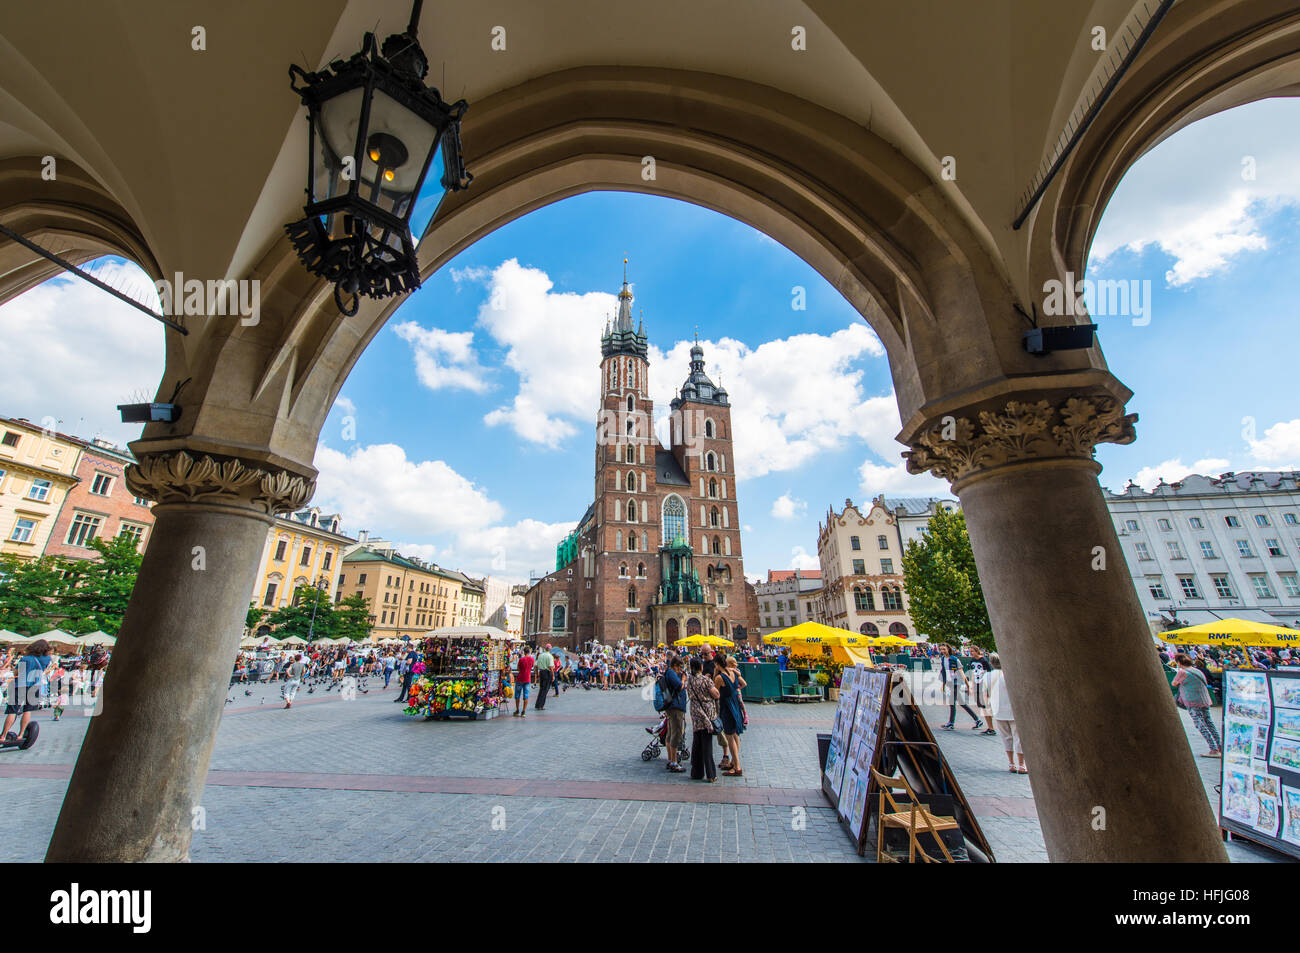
[659, 738]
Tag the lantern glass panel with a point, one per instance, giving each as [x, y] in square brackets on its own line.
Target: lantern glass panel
[430, 198]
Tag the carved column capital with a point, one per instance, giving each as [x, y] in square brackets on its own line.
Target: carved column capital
[958, 448]
[179, 477]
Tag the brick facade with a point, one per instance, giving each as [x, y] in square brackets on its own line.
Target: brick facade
[609, 577]
[100, 506]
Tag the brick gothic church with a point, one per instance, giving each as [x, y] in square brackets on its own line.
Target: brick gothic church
[657, 556]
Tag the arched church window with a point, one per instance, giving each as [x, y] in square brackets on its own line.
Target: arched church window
[631, 454]
[622, 570]
[713, 516]
[713, 489]
[674, 518]
[631, 482]
[631, 597]
[708, 430]
[645, 542]
[618, 539]
[717, 546]
[640, 570]
[709, 574]
[710, 462]
[630, 405]
[631, 511]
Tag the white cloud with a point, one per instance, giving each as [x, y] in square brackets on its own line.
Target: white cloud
[73, 353]
[785, 507]
[1280, 447]
[791, 398]
[444, 358]
[509, 551]
[1171, 471]
[1192, 197]
[552, 342]
[345, 404]
[379, 489]
[800, 558]
[895, 480]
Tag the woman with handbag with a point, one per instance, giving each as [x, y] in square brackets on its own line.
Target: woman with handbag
[703, 696]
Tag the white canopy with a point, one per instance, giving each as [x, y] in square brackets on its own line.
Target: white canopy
[294, 640]
[471, 632]
[13, 638]
[58, 635]
[96, 638]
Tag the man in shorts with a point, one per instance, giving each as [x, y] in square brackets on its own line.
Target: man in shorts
[25, 697]
[293, 679]
[523, 679]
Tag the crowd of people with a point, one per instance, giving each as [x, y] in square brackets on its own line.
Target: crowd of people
[35, 677]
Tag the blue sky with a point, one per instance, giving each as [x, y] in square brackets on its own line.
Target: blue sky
[473, 410]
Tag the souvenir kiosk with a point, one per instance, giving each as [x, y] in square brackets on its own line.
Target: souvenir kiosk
[465, 673]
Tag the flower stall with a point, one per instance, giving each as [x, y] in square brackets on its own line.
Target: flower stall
[465, 673]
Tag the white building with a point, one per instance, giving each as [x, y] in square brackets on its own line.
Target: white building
[1208, 548]
[787, 598]
[913, 515]
[860, 552]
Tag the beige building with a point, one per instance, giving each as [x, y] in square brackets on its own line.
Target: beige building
[861, 557]
[788, 597]
[302, 549]
[37, 469]
[407, 596]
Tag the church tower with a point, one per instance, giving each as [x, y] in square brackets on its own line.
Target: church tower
[701, 444]
[627, 514]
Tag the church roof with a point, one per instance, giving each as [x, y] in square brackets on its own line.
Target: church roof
[668, 470]
[698, 388]
[621, 338]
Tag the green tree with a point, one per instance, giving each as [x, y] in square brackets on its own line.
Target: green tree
[352, 617]
[943, 586]
[96, 591]
[27, 593]
[310, 615]
[254, 617]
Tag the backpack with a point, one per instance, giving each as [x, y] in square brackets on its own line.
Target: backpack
[661, 702]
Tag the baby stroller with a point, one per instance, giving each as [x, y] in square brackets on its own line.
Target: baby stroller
[659, 738]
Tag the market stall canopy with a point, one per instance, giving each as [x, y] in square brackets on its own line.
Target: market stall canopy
[294, 640]
[704, 640]
[13, 638]
[97, 637]
[816, 634]
[891, 640]
[58, 636]
[471, 632]
[1233, 632]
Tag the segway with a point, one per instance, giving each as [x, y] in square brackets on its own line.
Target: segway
[26, 741]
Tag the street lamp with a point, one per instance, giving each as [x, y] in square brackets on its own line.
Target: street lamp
[374, 132]
[321, 584]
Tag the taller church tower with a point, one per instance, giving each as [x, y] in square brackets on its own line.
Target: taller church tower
[627, 517]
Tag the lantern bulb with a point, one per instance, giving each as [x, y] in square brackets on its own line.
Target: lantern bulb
[389, 175]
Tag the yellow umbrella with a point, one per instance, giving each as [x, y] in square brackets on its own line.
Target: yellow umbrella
[815, 633]
[704, 640]
[890, 640]
[1233, 632]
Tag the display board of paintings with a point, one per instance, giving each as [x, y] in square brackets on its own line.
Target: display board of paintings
[1260, 790]
[855, 735]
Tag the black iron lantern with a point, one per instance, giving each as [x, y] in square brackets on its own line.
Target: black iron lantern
[376, 134]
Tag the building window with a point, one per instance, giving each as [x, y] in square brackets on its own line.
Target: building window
[10, 439]
[882, 542]
[864, 600]
[1274, 547]
[102, 484]
[630, 455]
[1289, 584]
[557, 618]
[361, 579]
[1261, 519]
[1195, 523]
[1262, 588]
[708, 428]
[1164, 525]
[631, 597]
[854, 543]
[780, 620]
[631, 482]
[630, 515]
[710, 462]
[1207, 550]
[893, 598]
[1288, 518]
[622, 570]
[1142, 551]
[1175, 551]
[305, 559]
[1131, 526]
[133, 532]
[1232, 521]
[269, 598]
[713, 489]
[859, 567]
[717, 546]
[23, 530]
[640, 570]
[83, 530]
[713, 516]
[886, 567]
[1157, 587]
[1223, 587]
[1243, 549]
[279, 550]
[40, 490]
[631, 406]
[1188, 584]
[140, 501]
[329, 558]
[674, 519]
[631, 542]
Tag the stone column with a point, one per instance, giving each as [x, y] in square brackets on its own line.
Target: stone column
[1112, 773]
[141, 769]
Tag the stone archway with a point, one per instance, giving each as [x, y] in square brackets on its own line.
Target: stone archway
[692, 626]
[908, 253]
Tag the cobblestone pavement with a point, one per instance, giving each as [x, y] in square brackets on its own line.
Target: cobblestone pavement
[342, 780]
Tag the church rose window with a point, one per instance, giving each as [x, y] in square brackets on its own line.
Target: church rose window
[674, 519]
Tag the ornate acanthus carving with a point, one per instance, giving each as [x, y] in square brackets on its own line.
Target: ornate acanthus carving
[956, 447]
[179, 477]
